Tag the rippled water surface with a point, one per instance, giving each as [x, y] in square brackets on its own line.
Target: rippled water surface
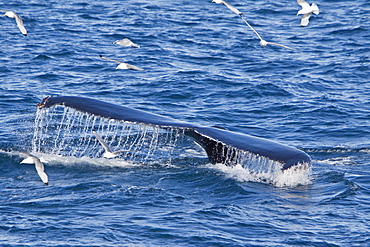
[202, 65]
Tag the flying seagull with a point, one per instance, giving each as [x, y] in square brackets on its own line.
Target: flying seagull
[122, 65]
[108, 152]
[31, 159]
[126, 43]
[18, 20]
[306, 11]
[232, 8]
[263, 42]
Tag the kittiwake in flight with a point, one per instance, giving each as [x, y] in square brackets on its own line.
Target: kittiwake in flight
[263, 42]
[126, 43]
[232, 8]
[123, 65]
[18, 20]
[29, 160]
[38, 165]
[108, 152]
[306, 11]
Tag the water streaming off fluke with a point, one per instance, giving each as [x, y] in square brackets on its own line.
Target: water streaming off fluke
[64, 127]
[66, 132]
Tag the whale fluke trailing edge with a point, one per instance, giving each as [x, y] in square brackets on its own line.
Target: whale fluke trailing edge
[221, 145]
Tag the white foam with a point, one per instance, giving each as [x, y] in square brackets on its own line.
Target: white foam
[300, 175]
[73, 161]
[52, 159]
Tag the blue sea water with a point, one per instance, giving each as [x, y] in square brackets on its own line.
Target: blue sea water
[202, 65]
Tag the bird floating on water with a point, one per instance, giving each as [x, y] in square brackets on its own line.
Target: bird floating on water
[306, 11]
[31, 159]
[108, 152]
[18, 20]
[122, 65]
[126, 43]
[263, 42]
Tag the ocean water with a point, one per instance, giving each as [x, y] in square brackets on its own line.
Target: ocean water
[202, 65]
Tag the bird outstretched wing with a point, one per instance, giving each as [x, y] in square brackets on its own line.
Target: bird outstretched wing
[232, 8]
[305, 19]
[133, 67]
[19, 22]
[105, 146]
[303, 3]
[273, 43]
[109, 59]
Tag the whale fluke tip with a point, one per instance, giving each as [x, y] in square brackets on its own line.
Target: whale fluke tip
[42, 104]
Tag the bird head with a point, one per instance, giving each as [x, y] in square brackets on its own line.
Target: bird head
[9, 14]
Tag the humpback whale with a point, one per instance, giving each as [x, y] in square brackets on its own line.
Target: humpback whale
[221, 146]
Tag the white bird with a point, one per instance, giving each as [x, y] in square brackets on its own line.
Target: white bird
[263, 42]
[126, 43]
[18, 20]
[122, 65]
[108, 152]
[306, 11]
[31, 159]
[232, 8]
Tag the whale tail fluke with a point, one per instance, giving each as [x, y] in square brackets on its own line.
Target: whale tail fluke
[221, 145]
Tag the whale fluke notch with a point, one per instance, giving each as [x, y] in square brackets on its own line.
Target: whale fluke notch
[221, 145]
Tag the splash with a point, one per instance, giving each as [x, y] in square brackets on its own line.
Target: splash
[292, 177]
